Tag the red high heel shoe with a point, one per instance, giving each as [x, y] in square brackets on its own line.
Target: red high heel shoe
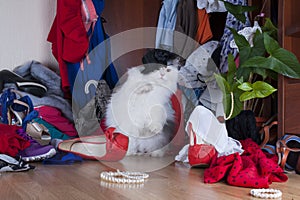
[111, 146]
[199, 155]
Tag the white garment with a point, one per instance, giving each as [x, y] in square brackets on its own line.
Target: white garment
[211, 131]
[211, 5]
[248, 33]
[183, 154]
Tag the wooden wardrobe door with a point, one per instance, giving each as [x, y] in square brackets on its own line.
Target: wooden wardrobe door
[289, 89]
[129, 14]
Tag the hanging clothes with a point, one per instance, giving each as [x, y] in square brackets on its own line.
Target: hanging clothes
[204, 32]
[211, 5]
[68, 30]
[187, 24]
[231, 22]
[68, 37]
[166, 25]
[100, 66]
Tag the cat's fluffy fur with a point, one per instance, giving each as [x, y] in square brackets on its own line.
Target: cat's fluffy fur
[141, 109]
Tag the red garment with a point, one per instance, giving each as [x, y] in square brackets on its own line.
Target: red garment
[54, 117]
[68, 37]
[251, 169]
[10, 142]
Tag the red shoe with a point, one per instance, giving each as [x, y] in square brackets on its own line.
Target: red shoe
[199, 155]
[111, 146]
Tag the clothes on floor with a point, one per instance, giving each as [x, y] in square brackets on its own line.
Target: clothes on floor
[10, 142]
[54, 96]
[54, 117]
[10, 164]
[210, 131]
[250, 169]
[54, 132]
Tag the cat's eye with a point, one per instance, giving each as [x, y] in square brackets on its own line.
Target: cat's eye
[168, 70]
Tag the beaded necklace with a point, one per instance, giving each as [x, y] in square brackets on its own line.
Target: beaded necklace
[124, 177]
[266, 193]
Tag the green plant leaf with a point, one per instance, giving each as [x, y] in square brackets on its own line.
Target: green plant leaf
[227, 99]
[260, 89]
[237, 104]
[240, 40]
[270, 29]
[280, 60]
[263, 89]
[246, 86]
[222, 83]
[247, 96]
[247, 52]
[238, 11]
[231, 69]
[258, 48]
[271, 44]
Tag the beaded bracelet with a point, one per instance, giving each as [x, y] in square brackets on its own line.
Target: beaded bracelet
[266, 193]
[124, 177]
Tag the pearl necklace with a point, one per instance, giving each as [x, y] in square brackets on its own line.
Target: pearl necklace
[124, 177]
[266, 193]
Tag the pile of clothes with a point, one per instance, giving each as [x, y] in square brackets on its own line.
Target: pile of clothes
[35, 116]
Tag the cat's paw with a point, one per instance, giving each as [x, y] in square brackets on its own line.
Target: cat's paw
[144, 88]
[158, 153]
[155, 127]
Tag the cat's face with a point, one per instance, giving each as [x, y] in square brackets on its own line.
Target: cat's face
[168, 73]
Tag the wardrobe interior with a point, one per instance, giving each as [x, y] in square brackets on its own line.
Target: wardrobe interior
[125, 15]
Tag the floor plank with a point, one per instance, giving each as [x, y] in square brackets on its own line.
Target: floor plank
[82, 181]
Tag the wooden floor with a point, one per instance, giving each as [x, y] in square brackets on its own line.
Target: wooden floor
[81, 181]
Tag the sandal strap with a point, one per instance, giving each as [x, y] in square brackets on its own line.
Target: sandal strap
[283, 150]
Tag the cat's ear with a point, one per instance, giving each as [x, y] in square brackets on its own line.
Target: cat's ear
[134, 72]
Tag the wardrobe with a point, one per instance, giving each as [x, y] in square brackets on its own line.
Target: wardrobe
[129, 14]
[289, 89]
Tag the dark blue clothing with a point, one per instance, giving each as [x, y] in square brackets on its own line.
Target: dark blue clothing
[100, 67]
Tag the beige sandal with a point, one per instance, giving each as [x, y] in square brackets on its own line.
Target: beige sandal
[38, 132]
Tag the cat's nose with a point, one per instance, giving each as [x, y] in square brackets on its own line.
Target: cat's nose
[162, 72]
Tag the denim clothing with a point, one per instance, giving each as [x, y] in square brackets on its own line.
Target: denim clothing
[100, 67]
[166, 25]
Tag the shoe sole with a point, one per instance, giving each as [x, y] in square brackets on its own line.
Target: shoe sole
[49, 154]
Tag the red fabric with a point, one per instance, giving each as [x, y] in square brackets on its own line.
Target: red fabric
[10, 142]
[68, 37]
[251, 169]
[54, 117]
[177, 106]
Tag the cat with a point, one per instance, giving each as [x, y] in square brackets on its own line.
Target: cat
[141, 109]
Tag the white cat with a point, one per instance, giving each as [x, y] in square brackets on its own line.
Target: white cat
[141, 109]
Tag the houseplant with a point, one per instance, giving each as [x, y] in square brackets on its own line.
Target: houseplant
[259, 62]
